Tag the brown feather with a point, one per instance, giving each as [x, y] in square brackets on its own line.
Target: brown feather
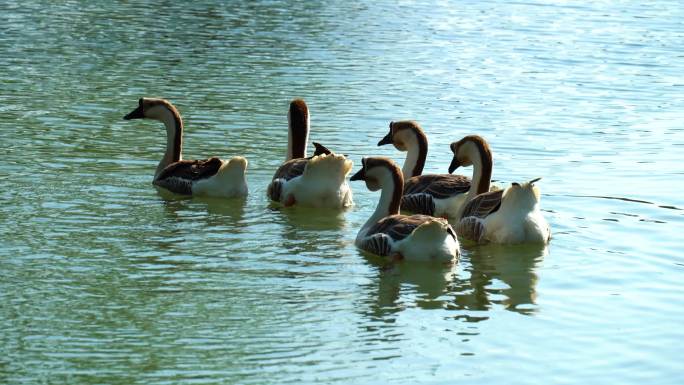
[398, 226]
[440, 186]
[483, 204]
[291, 169]
[179, 176]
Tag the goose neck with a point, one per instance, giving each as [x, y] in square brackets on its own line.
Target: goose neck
[297, 135]
[482, 171]
[392, 187]
[416, 154]
[174, 139]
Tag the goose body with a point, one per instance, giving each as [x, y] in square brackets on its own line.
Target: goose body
[208, 177]
[441, 195]
[388, 233]
[316, 181]
[505, 216]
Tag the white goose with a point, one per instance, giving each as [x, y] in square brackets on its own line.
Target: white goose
[440, 195]
[317, 181]
[208, 177]
[387, 233]
[505, 216]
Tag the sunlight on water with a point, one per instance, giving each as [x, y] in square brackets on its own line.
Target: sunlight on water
[107, 280]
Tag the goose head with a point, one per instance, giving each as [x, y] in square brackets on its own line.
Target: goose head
[522, 195]
[152, 108]
[378, 173]
[408, 136]
[403, 135]
[470, 149]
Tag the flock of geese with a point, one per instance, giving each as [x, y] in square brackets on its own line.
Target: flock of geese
[480, 213]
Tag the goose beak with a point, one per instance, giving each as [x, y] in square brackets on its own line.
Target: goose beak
[454, 165]
[386, 140]
[360, 175]
[135, 114]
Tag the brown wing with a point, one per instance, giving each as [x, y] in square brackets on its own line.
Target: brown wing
[418, 204]
[483, 204]
[178, 177]
[378, 244]
[191, 169]
[471, 228]
[291, 169]
[398, 226]
[440, 186]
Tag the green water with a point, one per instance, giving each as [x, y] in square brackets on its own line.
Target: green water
[105, 281]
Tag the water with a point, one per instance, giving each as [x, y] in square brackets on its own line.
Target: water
[104, 280]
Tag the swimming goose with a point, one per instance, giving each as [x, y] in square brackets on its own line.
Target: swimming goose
[317, 181]
[388, 233]
[440, 195]
[505, 216]
[208, 177]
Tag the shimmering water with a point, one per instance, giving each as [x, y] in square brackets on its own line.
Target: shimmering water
[103, 280]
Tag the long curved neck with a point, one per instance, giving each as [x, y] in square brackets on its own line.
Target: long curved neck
[392, 187]
[297, 134]
[174, 139]
[482, 170]
[417, 147]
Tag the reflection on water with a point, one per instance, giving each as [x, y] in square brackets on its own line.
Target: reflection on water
[306, 218]
[501, 275]
[487, 275]
[405, 284]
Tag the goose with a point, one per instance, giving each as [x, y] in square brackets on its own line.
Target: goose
[440, 195]
[505, 216]
[390, 234]
[317, 181]
[208, 177]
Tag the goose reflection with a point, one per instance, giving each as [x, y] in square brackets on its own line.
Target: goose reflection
[408, 284]
[308, 231]
[216, 210]
[500, 275]
[310, 219]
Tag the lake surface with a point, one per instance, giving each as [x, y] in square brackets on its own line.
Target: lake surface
[105, 281]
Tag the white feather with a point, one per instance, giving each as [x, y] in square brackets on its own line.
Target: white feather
[323, 183]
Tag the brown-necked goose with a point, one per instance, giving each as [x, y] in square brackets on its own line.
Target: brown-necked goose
[505, 216]
[317, 181]
[388, 233]
[209, 177]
